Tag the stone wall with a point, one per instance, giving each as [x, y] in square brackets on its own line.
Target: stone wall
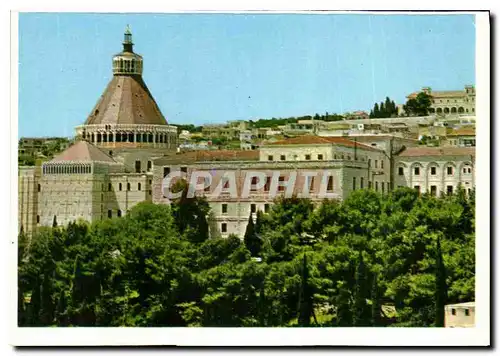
[28, 195]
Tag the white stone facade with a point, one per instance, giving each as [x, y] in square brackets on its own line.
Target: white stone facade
[435, 174]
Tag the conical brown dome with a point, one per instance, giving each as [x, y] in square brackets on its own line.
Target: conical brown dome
[126, 100]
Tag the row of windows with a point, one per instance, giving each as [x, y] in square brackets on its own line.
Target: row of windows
[127, 137]
[433, 189]
[449, 170]
[253, 208]
[383, 185]
[466, 312]
[67, 169]
[307, 157]
[120, 187]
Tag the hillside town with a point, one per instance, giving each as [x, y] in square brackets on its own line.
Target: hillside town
[125, 153]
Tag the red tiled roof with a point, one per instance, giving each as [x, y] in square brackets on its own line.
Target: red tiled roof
[83, 151]
[438, 151]
[321, 140]
[126, 100]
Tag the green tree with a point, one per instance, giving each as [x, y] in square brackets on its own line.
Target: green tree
[375, 299]
[418, 106]
[306, 302]
[362, 315]
[441, 289]
[251, 239]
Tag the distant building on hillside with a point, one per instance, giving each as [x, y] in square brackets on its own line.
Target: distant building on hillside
[357, 115]
[451, 101]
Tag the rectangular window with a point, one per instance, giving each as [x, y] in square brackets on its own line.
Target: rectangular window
[268, 184]
[417, 188]
[369, 162]
[416, 170]
[224, 208]
[401, 171]
[433, 171]
[376, 164]
[280, 186]
[382, 185]
[253, 186]
[149, 166]
[253, 208]
[166, 171]
[308, 157]
[38, 219]
[266, 208]
[137, 166]
[353, 183]
[449, 189]
[433, 190]
[320, 157]
[466, 311]
[329, 186]
[223, 227]
[184, 169]
[110, 213]
[453, 311]
[369, 184]
[283, 157]
[270, 158]
[449, 170]
[361, 182]
[382, 164]
[376, 186]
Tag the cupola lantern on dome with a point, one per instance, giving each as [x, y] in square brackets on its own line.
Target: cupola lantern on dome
[127, 62]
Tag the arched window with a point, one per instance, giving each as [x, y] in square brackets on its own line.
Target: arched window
[128, 186]
[138, 186]
[120, 187]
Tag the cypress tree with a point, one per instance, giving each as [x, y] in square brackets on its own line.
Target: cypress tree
[259, 221]
[61, 313]
[46, 303]
[306, 303]
[361, 313]
[376, 111]
[251, 240]
[375, 297]
[382, 110]
[441, 289]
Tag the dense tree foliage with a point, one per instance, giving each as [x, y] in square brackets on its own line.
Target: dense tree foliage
[334, 264]
[419, 106]
[384, 110]
[275, 122]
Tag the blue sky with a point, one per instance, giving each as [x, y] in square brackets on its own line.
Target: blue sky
[211, 68]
